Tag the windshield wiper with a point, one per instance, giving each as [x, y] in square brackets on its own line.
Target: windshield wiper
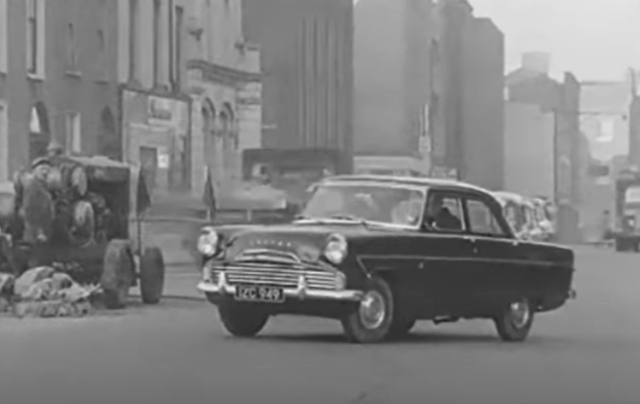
[350, 218]
[333, 217]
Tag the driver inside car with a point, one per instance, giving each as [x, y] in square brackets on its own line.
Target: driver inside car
[440, 217]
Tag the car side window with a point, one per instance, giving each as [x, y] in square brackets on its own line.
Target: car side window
[444, 213]
[482, 220]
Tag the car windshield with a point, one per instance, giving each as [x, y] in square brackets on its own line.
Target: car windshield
[381, 203]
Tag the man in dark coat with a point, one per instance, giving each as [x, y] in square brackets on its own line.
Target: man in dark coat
[440, 217]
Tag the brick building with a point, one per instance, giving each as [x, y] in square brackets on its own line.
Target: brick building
[57, 78]
[395, 46]
[531, 84]
[306, 49]
[471, 143]
[151, 66]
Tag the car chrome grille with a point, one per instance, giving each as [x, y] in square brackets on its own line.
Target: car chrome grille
[258, 256]
[274, 268]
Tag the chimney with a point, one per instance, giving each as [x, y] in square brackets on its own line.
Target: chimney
[539, 62]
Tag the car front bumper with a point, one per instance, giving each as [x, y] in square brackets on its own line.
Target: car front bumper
[301, 292]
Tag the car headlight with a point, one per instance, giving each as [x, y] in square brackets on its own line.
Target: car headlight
[208, 242]
[336, 249]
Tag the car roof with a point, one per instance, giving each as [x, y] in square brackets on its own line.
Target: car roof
[511, 196]
[415, 181]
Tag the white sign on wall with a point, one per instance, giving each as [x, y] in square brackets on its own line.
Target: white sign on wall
[165, 112]
[632, 195]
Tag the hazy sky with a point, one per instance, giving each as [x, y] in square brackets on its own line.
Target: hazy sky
[595, 39]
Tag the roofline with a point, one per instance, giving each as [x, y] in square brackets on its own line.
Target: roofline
[423, 181]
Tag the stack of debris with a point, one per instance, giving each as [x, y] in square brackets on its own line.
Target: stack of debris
[44, 292]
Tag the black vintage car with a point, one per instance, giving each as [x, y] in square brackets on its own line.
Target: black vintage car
[379, 253]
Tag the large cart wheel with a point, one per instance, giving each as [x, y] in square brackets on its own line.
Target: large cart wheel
[515, 321]
[371, 321]
[152, 272]
[118, 274]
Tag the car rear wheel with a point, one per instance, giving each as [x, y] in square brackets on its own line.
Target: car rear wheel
[241, 320]
[371, 321]
[514, 322]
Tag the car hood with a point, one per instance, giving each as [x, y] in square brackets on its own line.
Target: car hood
[297, 237]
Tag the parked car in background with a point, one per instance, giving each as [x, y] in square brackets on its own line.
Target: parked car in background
[545, 216]
[515, 211]
[525, 215]
[626, 234]
[378, 254]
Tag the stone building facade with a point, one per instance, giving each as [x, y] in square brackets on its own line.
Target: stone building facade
[224, 84]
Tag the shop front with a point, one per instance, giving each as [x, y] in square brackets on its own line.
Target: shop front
[156, 135]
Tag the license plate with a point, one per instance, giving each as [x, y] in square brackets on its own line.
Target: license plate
[265, 294]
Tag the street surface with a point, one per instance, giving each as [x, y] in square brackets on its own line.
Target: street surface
[588, 352]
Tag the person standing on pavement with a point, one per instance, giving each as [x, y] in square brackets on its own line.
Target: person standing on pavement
[605, 225]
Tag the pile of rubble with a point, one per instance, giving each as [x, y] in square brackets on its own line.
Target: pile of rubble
[45, 292]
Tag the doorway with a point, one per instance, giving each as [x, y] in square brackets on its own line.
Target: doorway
[149, 166]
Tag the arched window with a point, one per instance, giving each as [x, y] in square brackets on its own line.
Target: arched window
[227, 122]
[39, 133]
[208, 118]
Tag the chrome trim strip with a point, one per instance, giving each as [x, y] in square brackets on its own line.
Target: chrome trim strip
[264, 254]
[301, 292]
[426, 258]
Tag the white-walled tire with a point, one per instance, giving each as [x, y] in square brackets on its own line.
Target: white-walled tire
[371, 321]
[514, 322]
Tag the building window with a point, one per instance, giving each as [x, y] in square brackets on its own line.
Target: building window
[102, 48]
[157, 40]
[32, 36]
[172, 43]
[72, 57]
[179, 41]
[73, 137]
[4, 144]
[3, 36]
[134, 11]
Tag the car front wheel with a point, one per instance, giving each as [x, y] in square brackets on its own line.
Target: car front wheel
[371, 321]
[241, 320]
[514, 322]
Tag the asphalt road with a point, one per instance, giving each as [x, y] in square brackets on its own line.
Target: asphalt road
[588, 352]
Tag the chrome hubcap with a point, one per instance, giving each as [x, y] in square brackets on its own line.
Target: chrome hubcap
[372, 310]
[519, 312]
